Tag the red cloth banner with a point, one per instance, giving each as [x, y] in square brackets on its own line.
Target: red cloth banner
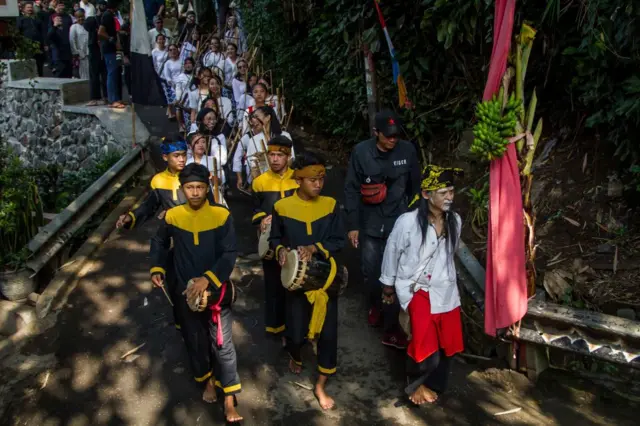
[505, 288]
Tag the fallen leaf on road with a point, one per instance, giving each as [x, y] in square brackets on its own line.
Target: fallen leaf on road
[571, 221]
[132, 351]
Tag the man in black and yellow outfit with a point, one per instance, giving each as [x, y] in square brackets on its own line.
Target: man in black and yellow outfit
[165, 186]
[275, 184]
[205, 252]
[311, 224]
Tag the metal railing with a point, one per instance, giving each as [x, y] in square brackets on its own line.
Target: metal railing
[57, 233]
[588, 333]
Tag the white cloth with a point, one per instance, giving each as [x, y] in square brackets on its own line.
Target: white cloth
[159, 58]
[230, 71]
[79, 40]
[219, 152]
[240, 94]
[171, 71]
[89, 9]
[188, 50]
[196, 98]
[271, 101]
[407, 262]
[182, 82]
[214, 60]
[248, 146]
[153, 33]
[224, 105]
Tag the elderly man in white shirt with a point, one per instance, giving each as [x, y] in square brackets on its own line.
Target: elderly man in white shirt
[419, 269]
[158, 29]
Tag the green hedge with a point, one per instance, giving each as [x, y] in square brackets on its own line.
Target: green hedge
[585, 66]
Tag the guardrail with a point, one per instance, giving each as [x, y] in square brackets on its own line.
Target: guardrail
[57, 233]
[588, 333]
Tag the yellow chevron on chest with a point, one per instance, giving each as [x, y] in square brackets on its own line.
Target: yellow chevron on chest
[305, 211]
[272, 182]
[196, 221]
[167, 181]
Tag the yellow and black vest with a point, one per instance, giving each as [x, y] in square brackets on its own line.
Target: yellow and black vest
[268, 188]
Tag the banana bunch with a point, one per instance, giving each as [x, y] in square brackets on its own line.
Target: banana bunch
[495, 126]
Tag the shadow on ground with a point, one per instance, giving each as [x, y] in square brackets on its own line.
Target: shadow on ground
[74, 374]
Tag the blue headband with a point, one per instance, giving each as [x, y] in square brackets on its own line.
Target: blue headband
[169, 147]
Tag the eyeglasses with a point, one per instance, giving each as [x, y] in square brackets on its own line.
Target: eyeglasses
[242, 66]
[172, 48]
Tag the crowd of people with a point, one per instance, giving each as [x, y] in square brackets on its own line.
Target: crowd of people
[231, 125]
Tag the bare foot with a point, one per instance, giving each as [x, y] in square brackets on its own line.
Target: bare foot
[325, 401]
[230, 411]
[423, 395]
[295, 368]
[209, 394]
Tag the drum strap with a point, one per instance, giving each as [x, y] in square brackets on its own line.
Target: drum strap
[216, 317]
[319, 299]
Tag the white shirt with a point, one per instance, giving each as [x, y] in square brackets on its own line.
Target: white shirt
[249, 146]
[213, 60]
[188, 50]
[159, 58]
[79, 40]
[89, 9]
[153, 33]
[182, 82]
[219, 152]
[407, 262]
[230, 70]
[271, 101]
[172, 69]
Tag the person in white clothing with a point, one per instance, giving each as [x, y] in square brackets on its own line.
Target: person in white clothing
[240, 83]
[158, 29]
[258, 100]
[198, 92]
[89, 9]
[264, 126]
[418, 268]
[183, 87]
[188, 49]
[214, 57]
[170, 72]
[218, 155]
[79, 40]
[160, 54]
[225, 106]
[230, 66]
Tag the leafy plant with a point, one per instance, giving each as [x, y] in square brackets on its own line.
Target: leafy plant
[20, 209]
[479, 201]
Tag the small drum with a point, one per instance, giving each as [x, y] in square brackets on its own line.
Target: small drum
[312, 275]
[203, 301]
[264, 251]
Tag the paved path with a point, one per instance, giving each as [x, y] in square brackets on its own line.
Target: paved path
[74, 374]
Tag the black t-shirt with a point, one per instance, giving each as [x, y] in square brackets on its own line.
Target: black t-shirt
[109, 23]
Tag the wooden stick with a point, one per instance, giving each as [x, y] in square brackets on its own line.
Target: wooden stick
[286, 126]
[216, 198]
[164, 290]
[132, 351]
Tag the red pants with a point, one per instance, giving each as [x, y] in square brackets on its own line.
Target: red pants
[432, 332]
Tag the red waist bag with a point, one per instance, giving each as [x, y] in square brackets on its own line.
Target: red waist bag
[373, 193]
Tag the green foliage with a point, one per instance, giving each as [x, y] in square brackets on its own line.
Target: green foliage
[59, 187]
[585, 66]
[20, 209]
[479, 202]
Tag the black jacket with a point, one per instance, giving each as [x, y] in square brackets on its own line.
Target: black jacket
[398, 168]
[31, 28]
[59, 41]
[92, 25]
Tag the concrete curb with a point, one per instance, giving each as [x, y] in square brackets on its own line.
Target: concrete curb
[57, 292]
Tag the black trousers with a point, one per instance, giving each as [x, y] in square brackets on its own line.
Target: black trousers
[274, 298]
[97, 77]
[64, 68]
[40, 58]
[298, 310]
[226, 361]
[223, 9]
[372, 251]
[433, 372]
[194, 327]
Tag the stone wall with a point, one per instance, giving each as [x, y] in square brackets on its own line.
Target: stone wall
[33, 122]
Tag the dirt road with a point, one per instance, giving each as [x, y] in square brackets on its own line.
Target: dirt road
[74, 375]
